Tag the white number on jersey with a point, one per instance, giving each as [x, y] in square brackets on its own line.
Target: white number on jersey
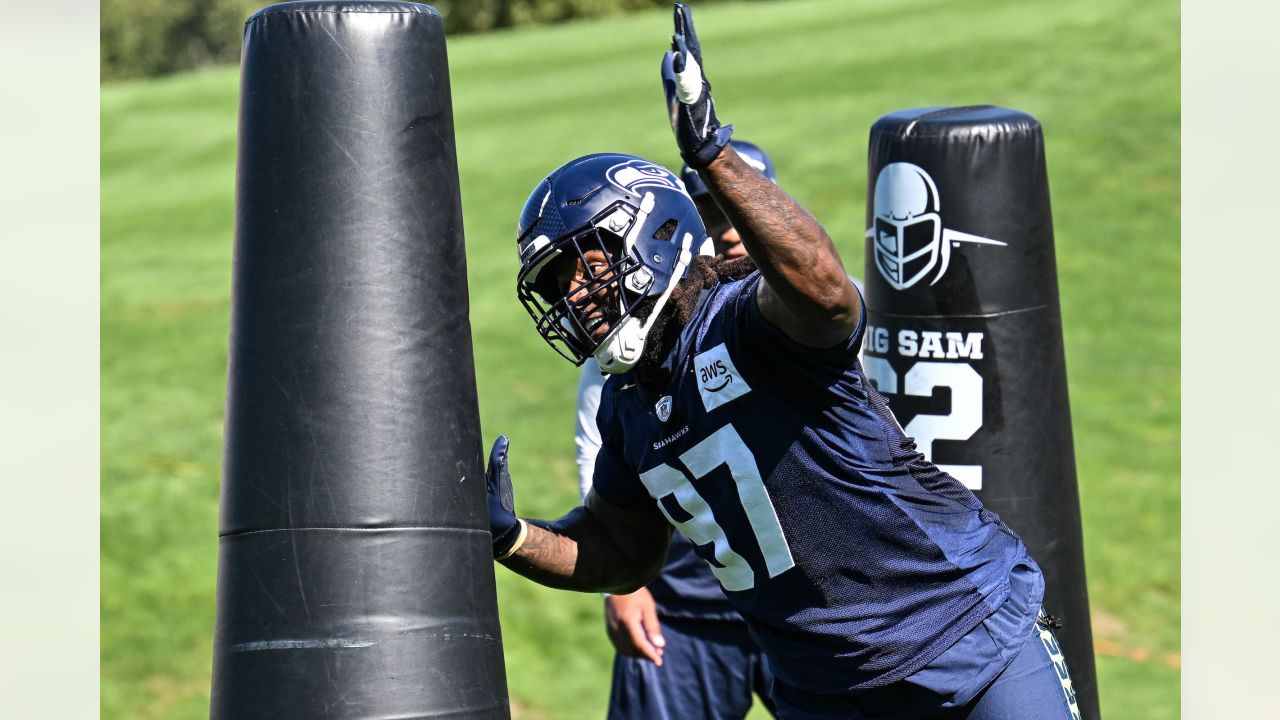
[723, 447]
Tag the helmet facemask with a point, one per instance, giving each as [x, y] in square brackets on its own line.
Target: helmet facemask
[609, 294]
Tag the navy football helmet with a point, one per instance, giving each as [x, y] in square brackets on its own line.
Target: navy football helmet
[755, 157]
[635, 211]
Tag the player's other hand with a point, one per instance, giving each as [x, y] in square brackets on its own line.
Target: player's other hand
[699, 134]
[505, 527]
[631, 622]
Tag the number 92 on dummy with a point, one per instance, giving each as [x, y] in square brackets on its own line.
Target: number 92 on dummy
[933, 380]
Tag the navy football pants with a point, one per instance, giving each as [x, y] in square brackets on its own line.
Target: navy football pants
[710, 668]
[1035, 686]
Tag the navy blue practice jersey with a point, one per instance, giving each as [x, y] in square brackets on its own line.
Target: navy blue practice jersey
[686, 589]
[853, 559]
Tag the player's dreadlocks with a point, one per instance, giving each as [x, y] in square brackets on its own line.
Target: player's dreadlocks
[704, 274]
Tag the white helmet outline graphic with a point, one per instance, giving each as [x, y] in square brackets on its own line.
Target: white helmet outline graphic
[906, 226]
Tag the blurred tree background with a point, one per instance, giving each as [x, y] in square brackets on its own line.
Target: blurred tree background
[145, 38]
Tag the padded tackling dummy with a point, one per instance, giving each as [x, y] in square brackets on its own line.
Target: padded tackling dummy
[355, 569]
[964, 332]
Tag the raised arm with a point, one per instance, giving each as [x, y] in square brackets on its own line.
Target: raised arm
[806, 292]
[597, 547]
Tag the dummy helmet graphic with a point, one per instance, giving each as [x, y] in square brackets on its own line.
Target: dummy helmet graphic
[907, 230]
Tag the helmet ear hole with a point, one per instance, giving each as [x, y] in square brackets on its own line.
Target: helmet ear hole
[667, 230]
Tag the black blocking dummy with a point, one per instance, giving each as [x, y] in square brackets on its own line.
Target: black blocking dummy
[355, 571]
[964, 332]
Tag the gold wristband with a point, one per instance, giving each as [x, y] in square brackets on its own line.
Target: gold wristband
[524, 535]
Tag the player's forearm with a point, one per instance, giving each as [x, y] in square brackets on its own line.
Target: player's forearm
[576, 553]
[793, 251]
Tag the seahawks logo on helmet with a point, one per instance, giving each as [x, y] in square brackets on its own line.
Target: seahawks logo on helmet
[906, 229]
[632, 175]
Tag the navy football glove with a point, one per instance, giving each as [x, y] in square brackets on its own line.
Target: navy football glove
[693, 114]
[507, 530]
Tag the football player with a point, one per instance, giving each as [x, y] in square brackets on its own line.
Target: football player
[683, 651]
[738, 413]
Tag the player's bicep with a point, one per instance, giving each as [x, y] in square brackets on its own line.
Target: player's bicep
[805, 328]
[800, 323]
[640, 536]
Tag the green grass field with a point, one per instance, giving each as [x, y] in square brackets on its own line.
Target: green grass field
[804, 79]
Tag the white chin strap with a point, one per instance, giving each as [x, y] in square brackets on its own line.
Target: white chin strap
[622, 349]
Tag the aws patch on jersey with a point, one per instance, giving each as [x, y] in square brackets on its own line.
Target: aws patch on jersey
[718, 380]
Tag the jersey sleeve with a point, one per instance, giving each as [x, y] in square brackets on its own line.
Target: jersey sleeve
[612, 478]
[755, 329]
[586, 436]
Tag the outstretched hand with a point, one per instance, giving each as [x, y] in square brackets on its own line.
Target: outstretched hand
[699, 134]
[507, 530]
